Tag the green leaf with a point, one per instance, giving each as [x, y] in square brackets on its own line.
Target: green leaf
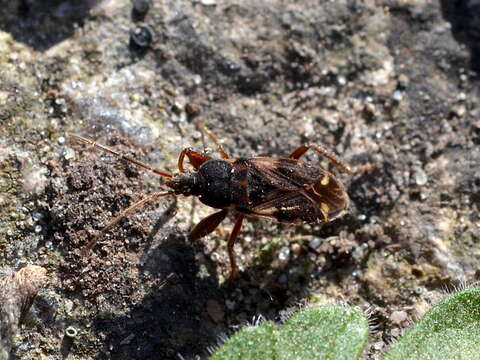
[450, 330]
[326, 332]
[249, 343]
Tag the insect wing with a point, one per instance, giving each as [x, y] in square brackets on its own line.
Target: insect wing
[331, 196]
[292, 207]
[294, 191]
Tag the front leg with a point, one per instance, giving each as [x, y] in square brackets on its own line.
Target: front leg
[207, 225]
[195, 158]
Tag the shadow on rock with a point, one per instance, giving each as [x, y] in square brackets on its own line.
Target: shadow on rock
[43, 24]
[187, 314]
[464, 16]
[190, 309]
[170, 320]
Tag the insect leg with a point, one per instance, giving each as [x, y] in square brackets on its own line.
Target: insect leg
[195, 158]
[212, 137]
[120, 156]
[207, 225]
[300, 151]
[124, 214]
[231, 242]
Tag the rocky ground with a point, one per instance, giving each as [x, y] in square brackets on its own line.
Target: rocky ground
[388, 85]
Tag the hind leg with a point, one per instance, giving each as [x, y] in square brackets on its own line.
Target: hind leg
[300, 151]
[212, 137]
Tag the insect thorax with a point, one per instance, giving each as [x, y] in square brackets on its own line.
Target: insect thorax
[215, 179]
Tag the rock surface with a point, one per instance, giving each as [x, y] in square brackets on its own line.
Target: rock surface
[390, 86]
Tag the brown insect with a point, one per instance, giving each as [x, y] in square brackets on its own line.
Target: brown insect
[286, 190]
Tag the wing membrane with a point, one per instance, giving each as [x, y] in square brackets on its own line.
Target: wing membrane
[289, 190]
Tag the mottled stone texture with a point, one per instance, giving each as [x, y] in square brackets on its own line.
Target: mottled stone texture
[389, 86]
[17, 293]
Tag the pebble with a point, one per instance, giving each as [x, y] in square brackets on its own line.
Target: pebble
[398, 317]
[37, 216]
[71, 332]
[403, 80]
[420, 176]
[315, 243]
[459, 110]
[284, 254]
[397, 96]
[142, 36]
[296, 248]
[68, 154]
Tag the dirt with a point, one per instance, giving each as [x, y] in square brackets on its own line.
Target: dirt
[389, 86]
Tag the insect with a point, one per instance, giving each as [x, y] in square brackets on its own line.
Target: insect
[287, 190]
